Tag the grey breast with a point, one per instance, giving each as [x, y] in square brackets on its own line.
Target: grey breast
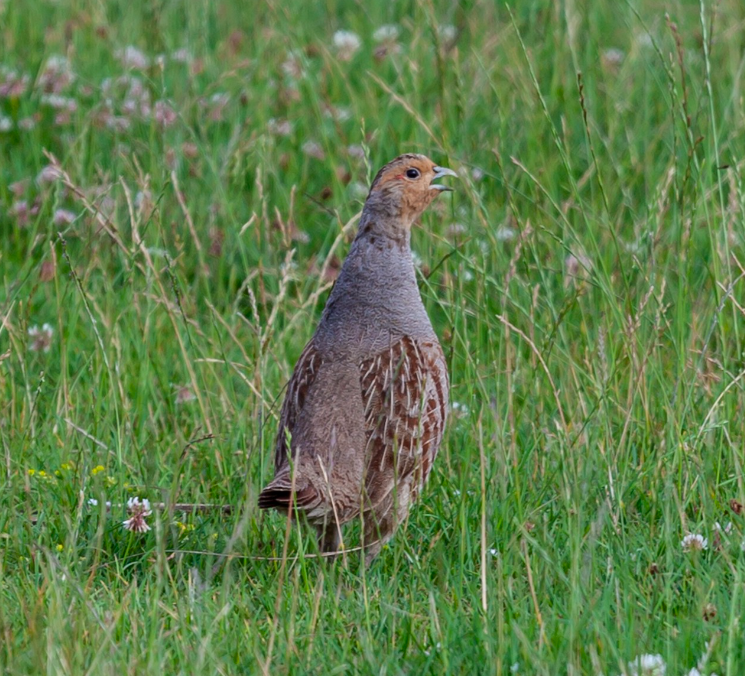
[374, 303]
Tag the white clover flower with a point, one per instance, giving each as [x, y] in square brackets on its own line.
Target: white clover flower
[130, 106]
[647, 665]
[726, 529]
[447, 32]
[386, 33]
[347, 40]
[182, 55]
[644, 40]
[466, 275]
[137, 510]
[59, 102]
[158, 252]
[356, 151]
[314, 149]
[135, 88]
[115, 122]
[576, 267]
[459, 409]
[137, 503]
[292, 66]
[613, 57]
[693, 542]
[20, 210]
[19, 187]
[131, 57]
[63, 217]
[56, 74]
[346, 44]
[338, 113]
[633, 247]
[505, 234]
[49, 174]
[184, 394]
[164, 114]
[57, 63]
[12, 83]
[92, 502]
[279, 127]
[41, 338]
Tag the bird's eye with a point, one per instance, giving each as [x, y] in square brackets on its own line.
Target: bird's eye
[412, 173]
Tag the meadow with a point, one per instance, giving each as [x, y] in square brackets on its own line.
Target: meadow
[179, 182]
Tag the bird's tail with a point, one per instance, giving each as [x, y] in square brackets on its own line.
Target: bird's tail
[279, 494]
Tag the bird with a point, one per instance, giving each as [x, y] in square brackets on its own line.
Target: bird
[365, 409]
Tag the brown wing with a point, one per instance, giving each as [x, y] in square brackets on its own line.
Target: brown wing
[307, 367]
[405, 394]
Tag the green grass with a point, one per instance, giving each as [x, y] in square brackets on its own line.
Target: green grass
[586, 279]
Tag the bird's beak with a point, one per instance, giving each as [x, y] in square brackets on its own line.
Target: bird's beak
[439, 173]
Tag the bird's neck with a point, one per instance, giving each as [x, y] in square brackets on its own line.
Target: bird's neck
[377, 222]
[376, 298]
[380, 260]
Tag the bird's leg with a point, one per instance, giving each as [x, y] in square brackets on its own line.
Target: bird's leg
[382, 523]
[328, 536]
[379, 528]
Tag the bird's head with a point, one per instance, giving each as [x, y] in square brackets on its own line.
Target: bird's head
[404, 188]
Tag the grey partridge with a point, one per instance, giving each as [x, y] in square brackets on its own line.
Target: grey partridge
[365, 409]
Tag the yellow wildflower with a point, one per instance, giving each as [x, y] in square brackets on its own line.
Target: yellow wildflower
[184, 527]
